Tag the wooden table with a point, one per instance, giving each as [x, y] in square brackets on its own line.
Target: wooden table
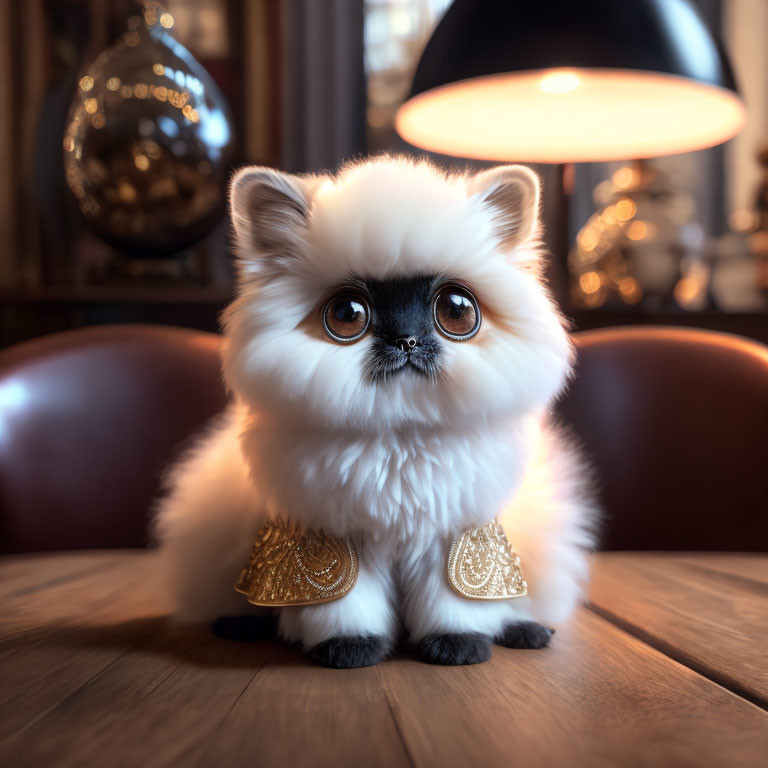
[666, 666]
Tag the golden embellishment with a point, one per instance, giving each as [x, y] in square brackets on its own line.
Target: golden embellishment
[482, 565]
[292, 566]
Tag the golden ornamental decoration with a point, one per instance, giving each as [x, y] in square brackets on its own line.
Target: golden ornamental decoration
[292, 566]
[482, 565]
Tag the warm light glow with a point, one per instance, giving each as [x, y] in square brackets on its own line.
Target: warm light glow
[624, 177]
[625, 209]
[590, 282]
[177, 99]
[166, 20]
[190, 113]
[637, 230]
[559, 81]
[611, 115]
[588, 238]
[86, 83]
[91, 105]
[158, 69]
[126, 191]
[593, 300]
[630, 290]
[113, 83]
[687, 291]
[141, 162]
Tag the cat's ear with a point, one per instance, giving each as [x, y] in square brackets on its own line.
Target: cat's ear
[512, 194]
[270, 211]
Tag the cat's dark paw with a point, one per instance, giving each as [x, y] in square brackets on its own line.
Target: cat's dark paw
[351, 652]
[524, 634]
[245, 628]
[452, 649]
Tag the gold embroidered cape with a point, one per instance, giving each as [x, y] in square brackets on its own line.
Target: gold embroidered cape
[289, 565]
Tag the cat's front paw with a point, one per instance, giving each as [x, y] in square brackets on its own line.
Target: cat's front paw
[524, 634]
[458, 648]
[245, 628]
[351, 652]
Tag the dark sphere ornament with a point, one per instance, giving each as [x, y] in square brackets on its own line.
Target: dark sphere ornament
[148, 143]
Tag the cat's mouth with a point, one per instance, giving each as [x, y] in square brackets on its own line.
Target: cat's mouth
[386, 362]
[417, 365]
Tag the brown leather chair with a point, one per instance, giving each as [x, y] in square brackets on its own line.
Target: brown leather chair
[676, 423]
[89, 419]
[675, 420]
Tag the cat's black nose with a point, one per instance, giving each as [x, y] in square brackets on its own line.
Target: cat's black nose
[407, 343]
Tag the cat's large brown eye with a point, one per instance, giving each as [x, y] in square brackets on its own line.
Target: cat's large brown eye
[346, 317]
[457, 314]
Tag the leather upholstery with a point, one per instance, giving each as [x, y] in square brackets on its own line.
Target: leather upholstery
[89, 419]
[675, 420]
[676, 423]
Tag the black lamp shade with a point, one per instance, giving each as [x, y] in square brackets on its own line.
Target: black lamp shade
[622, 68]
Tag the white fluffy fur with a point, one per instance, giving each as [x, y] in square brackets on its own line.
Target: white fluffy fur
[399, 466]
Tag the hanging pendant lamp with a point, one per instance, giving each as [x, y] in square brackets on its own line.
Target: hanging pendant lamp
[561, 81]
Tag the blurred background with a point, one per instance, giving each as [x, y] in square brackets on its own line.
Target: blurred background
[122, 122]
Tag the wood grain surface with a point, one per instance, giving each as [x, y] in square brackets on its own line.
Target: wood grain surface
[745, 566]
[663, 669]
[711, 616]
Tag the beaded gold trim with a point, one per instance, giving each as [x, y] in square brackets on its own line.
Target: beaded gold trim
[292, 566]
[482, 565]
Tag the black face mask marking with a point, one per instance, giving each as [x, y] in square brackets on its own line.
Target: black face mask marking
[403, 327]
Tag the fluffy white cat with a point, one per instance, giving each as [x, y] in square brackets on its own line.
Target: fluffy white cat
[393, 356]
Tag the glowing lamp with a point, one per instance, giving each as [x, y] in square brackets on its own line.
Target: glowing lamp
[563, 81]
